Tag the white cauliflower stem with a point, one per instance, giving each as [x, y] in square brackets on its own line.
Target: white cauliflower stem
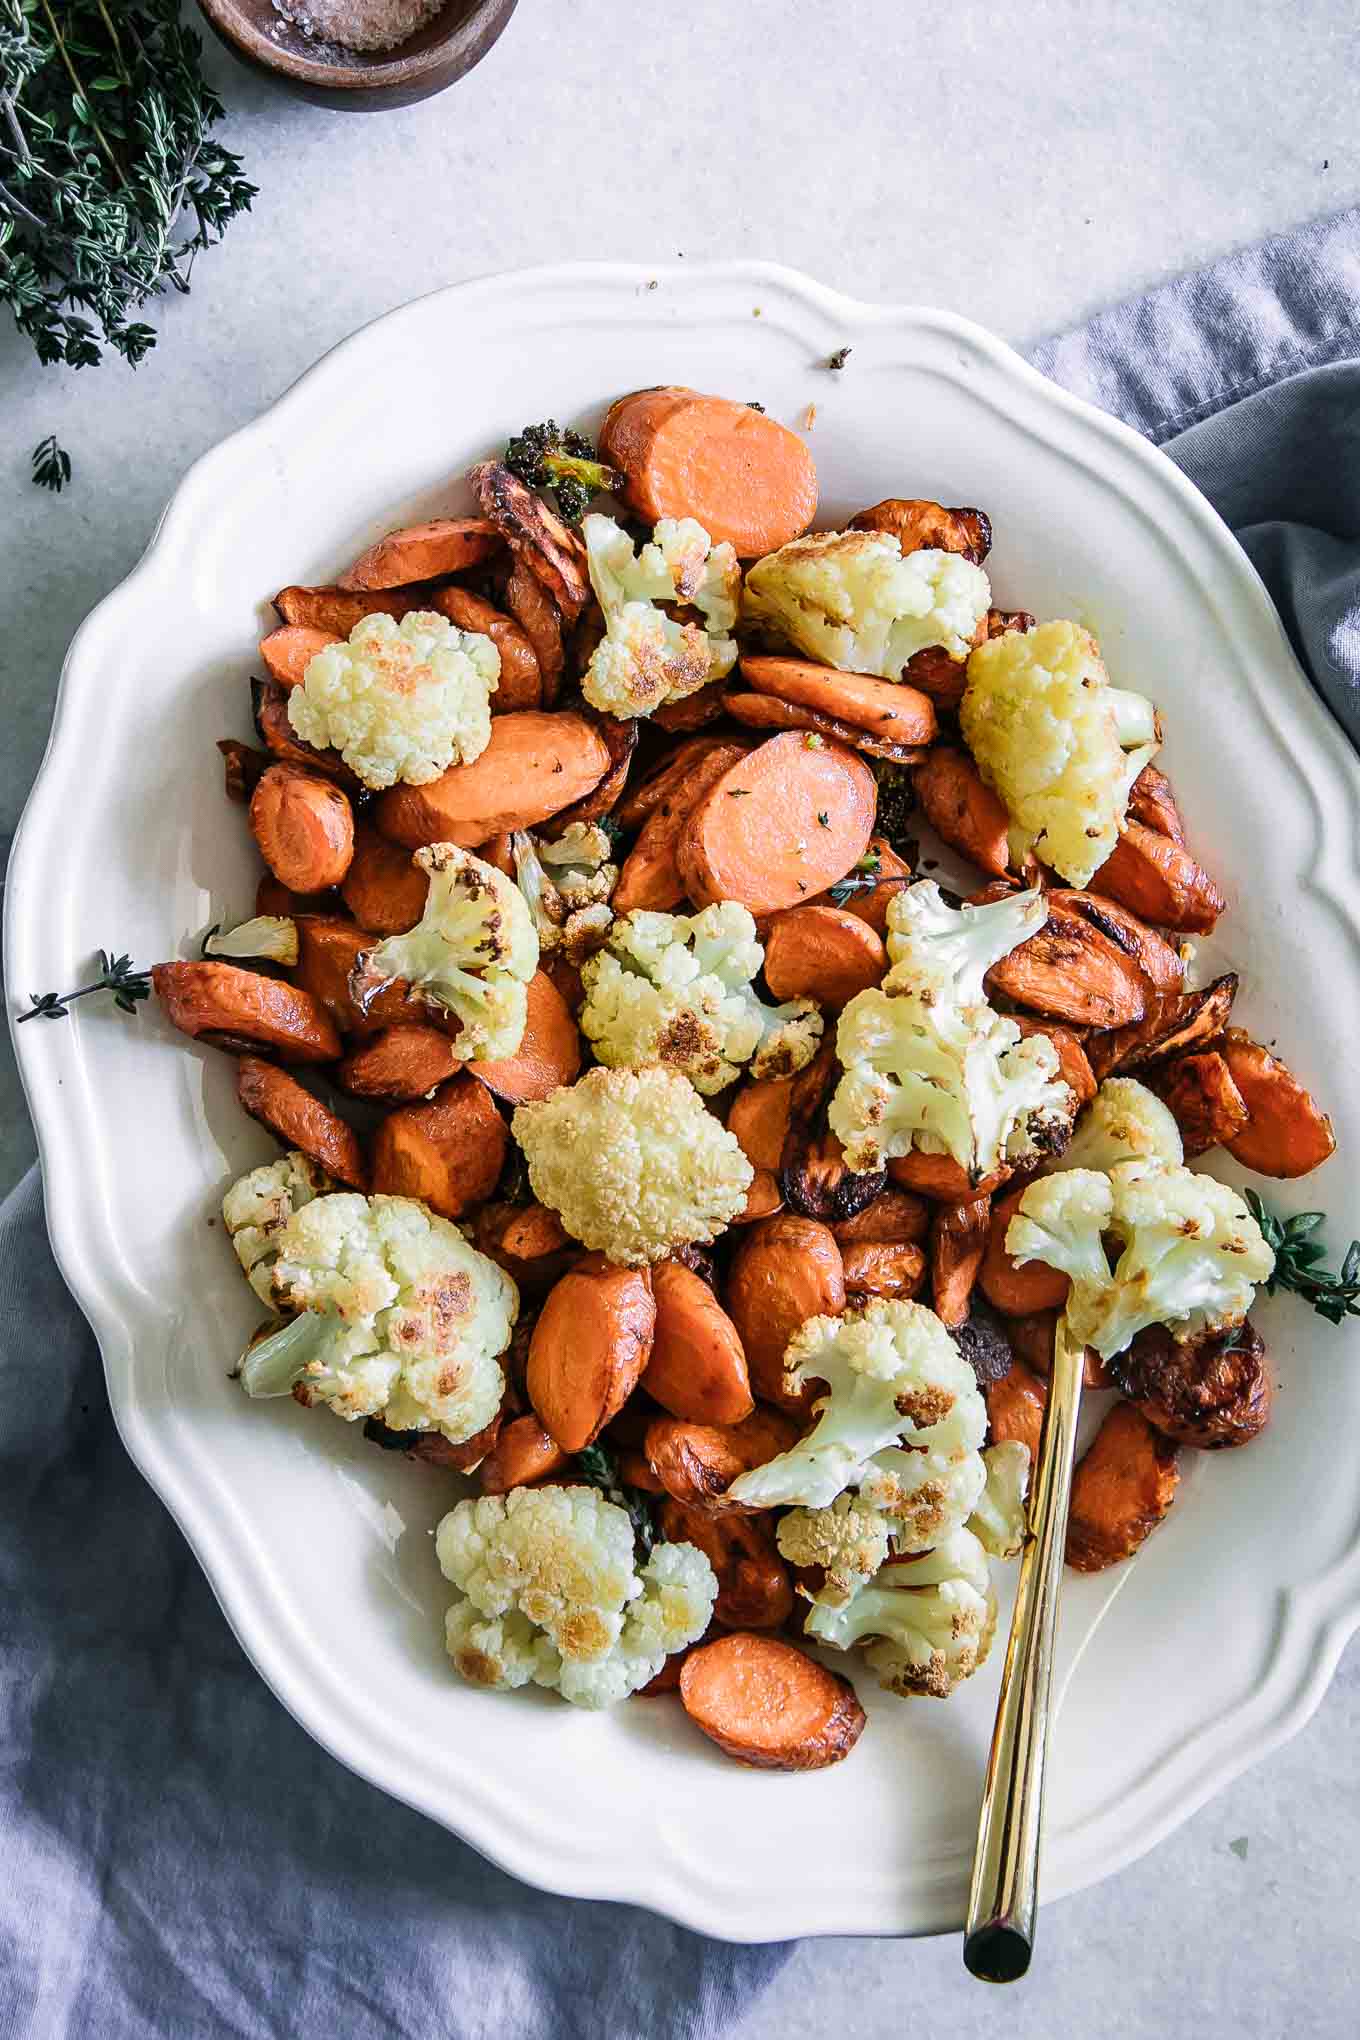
[850, 599]
[1123, 1123]
[1059, 744]
[400, 701]
[929, 1064]
[471, 953]
[398, 1317]
[632, 1163]
[923, 1624]
[549, 1592]
[999, 1521]
[566, 887]
[273, 936]
[646, 657]
[1190, 1251]
[676, 990]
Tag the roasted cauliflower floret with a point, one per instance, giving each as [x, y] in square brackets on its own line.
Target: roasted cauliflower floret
[549, 1592]
[675, 989]
[923, 1624]
[849, 1540]
[1124, 1122]
[397, 1317]
[929, 1064]
[632, 1163]
[470, 955]
[271, 936]
[647, 657]
[400, 701]
[1059, 744]
[999, 1521]
[1190, 1255]
[850, 599]
[259, 1205]
[566, 886]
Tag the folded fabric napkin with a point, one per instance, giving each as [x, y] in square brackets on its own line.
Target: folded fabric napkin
[177, 1858]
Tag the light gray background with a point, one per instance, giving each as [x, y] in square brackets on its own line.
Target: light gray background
[1022, 161]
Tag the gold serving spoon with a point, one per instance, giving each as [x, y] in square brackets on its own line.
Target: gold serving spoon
[998, 1938]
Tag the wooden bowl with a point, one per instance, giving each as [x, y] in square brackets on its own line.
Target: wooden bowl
[434, 57]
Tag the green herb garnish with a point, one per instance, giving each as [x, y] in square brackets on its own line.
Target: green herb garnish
[116, 975]
[51, 464]
[1299, 1255]
[596, 1465]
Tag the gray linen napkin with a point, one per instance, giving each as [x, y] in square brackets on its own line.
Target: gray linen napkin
[176, 1857]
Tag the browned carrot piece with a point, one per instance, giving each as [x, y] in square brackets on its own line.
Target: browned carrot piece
[537, 536]
[273, 898]
[1203, 1100]
[1123, 1486]
[499, 850]
[938, 674]
[746, 478]
[431, 1448]
[528, 1241]
[619, 736]
[882, 1268]
[1173, 1022]
[1152, 803]
[589, 1347]
[1073, 970]
[822, 953]
[536, 614]
[304, 827]
[288, 651]
[784, 1271]
[401, 1063]
[754, 1588]
[384, 888]
[448, 1154]
[423, 552]
[650, 876]
[1073, 1065]
[1287, 1133]
[759, 1117]
[1015, 1408]
[918, 523]
[769, 1705]
[301, 1121]
[704, 706]
[276, 732]
[895, 1216]
[1211, 1391]
[524, 1453]
[697, 1463]
[521, 682]
[1014, 1289]
[337, 610]
[243, 767]
[658, 787]
[780, 826]
[697, 1367]
[1160, 964]
[963, 810]
[882, 707]
[770, 712]
[1157, 879]
[958, 1241]
[534, 766]
[763, 1198]
[1032, 1340]
[328, 949]
[871, 902]
[549, 1053]
[940, 1178]
[242, 1010]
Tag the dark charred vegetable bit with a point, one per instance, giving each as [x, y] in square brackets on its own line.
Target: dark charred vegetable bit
[1298, 1258]
[896, 807]
[984, 1343]
[551, 456]
[1210, 1392]
[813, 1173]
[1172, 1023]
[838, 359]
[595, 1465]
[116, 974]
[243, 768]
[432, 1448]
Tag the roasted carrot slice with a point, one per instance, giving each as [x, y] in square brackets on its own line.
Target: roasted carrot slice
[336, 610]
[536, 613]
[1015, 1408]
[620, 736]
[528, 1241]
[1123, 1486]
[383, 888]
[697, 1367]
[791, 819]
[767, 1704]
[1157, 879]
[549, 1053]
[1073, 1064]
[1174, 1022]
[537, 536]
[1160, 964]
[938, 675]
[243, 1010]
[1073, 970]
[822, 953]
[1211, 1391]
[940, 1178]
[523, 1453]
[754, 1587]
[423, 552]
[328, 949]
[270, 704]
[1152, 803]
[1203, 1100]
[1032, 1339]
[400, 1063]
[288, 651]
[521, 682]
[243, 767]
[784, 1271]
[650, 876]
[770, 712]
[304, 827]
[694, 711]
[658, 786]
[448, 1154]
[894, 1216]
[301, 1121]
[917, 523]
[759, 1118]
[534, 766]
[883, 708]
[697, 1463]
[1017, 1289]
[273, 898]
[746, 478]
[894, 1268]
[958, 1241]
[1287, 1133]
[963, 810]
[589, 1347]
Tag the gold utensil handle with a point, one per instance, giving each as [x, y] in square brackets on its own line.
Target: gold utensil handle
[999, 1935]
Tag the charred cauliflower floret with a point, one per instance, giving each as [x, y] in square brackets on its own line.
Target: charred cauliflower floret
[1059, 744]
[567, 886]
[259, 1205]
[927, 1061]
[470, 955]
[647, 657]
[632, 1163]
[400, 701]
[550, 1593]
[1124, 1122]
[676, 989]
[850, 599]
[848, 1540]
[397, 1316]
[923, 1624]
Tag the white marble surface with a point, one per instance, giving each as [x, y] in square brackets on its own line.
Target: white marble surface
[1023, 164]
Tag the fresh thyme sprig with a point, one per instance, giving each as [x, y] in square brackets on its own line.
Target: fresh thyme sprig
[596, 1465]
[1298, 1258]
[862, 878]
[51, 464]
[116, 974]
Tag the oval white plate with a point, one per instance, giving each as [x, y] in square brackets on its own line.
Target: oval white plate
[1228, 1627]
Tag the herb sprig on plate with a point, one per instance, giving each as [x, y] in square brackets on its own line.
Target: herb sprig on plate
[1299, 1255]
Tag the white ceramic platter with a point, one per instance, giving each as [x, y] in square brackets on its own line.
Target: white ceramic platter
[318, 1546]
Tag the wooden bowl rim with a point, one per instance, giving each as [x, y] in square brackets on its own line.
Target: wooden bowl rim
[398, 67]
